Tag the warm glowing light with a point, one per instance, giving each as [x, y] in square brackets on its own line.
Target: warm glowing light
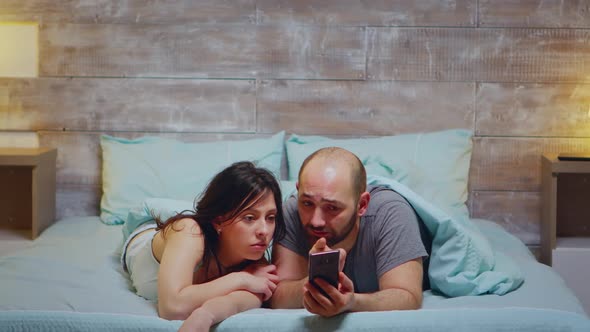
[18, 49]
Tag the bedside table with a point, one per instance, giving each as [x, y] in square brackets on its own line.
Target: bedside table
[565, 224]
[27, 195]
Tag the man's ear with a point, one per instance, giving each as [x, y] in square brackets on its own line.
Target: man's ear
[297, 185]
[363, 204]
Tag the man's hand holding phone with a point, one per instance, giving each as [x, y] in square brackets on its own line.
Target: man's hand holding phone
[328, 291]
[321, 245]
[324, 265]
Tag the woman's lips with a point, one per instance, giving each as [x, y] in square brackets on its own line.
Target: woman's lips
[259, 246]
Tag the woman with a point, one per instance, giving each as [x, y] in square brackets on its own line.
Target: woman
[210, 264]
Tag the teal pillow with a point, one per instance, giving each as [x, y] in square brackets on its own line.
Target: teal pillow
[147, 167]
[435, 165]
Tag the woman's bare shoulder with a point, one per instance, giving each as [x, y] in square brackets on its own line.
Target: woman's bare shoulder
[184, 226]
[183, 234]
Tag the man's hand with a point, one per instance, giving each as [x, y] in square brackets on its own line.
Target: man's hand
[321, 246]
[338, 300]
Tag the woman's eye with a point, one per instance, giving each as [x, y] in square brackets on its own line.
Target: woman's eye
[249, 217]
[271, 218]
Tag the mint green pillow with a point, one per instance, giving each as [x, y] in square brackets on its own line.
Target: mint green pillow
[434, 165]
[148, 167]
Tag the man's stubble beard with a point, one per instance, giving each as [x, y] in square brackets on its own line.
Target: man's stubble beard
[332, 241]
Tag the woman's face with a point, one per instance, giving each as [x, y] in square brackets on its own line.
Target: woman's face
[248, 235]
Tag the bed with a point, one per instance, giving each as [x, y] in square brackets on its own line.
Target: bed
[70, 278]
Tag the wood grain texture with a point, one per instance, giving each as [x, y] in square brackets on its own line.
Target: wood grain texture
[488, 55]
[77, 200]
[127, 104]
[129, 11]
[518, 212]
[79, 155]
[371, 12]
[363, 108]
[132, 68]
[534, 13]
[197, 51]
[533, 110]
[514, 164]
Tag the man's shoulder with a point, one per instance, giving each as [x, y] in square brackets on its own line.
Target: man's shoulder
[291, 198]
[386, 203]
[384, 195]
[290, 213]
[290, 202]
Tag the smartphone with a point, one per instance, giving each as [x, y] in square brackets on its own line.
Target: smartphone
[574, 156]
[324, 265]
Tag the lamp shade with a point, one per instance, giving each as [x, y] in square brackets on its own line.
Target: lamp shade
[18, 49]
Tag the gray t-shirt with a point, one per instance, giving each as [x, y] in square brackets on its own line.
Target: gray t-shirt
[390, 234]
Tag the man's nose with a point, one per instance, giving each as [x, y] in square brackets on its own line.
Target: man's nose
[317, 219]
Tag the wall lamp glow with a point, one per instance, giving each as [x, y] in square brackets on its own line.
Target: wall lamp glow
[19, 49]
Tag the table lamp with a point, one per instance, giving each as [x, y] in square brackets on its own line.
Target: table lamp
[18, 59]
[581, 93]
[18, 49]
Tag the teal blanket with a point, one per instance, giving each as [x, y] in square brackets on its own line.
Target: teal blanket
[462, 261]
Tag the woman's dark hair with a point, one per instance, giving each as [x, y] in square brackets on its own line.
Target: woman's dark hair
[234, 189]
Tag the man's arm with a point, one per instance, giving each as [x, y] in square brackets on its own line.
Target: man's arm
[398, 252]
[399, 289]
[219, 308]
[292, 272]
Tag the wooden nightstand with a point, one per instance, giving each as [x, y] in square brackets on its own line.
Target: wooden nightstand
[27, 194]
[565, 225]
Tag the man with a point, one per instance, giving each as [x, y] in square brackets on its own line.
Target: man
[377, 232]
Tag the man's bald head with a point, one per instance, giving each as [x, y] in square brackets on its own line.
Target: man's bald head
[340, 158]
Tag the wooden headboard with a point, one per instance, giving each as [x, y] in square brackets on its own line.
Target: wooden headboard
[209, 70]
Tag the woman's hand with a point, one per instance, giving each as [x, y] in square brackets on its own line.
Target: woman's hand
[260, 279]
[199, 321]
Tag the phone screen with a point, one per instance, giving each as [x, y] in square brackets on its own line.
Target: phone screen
[324, 265]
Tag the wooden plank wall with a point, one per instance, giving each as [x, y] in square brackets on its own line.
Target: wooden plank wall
[516, 73]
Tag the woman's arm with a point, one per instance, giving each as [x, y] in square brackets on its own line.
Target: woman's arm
[219, 308]
[177, 296]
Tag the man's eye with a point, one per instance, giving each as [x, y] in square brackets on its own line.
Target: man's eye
[306, 203]
[332, 208]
